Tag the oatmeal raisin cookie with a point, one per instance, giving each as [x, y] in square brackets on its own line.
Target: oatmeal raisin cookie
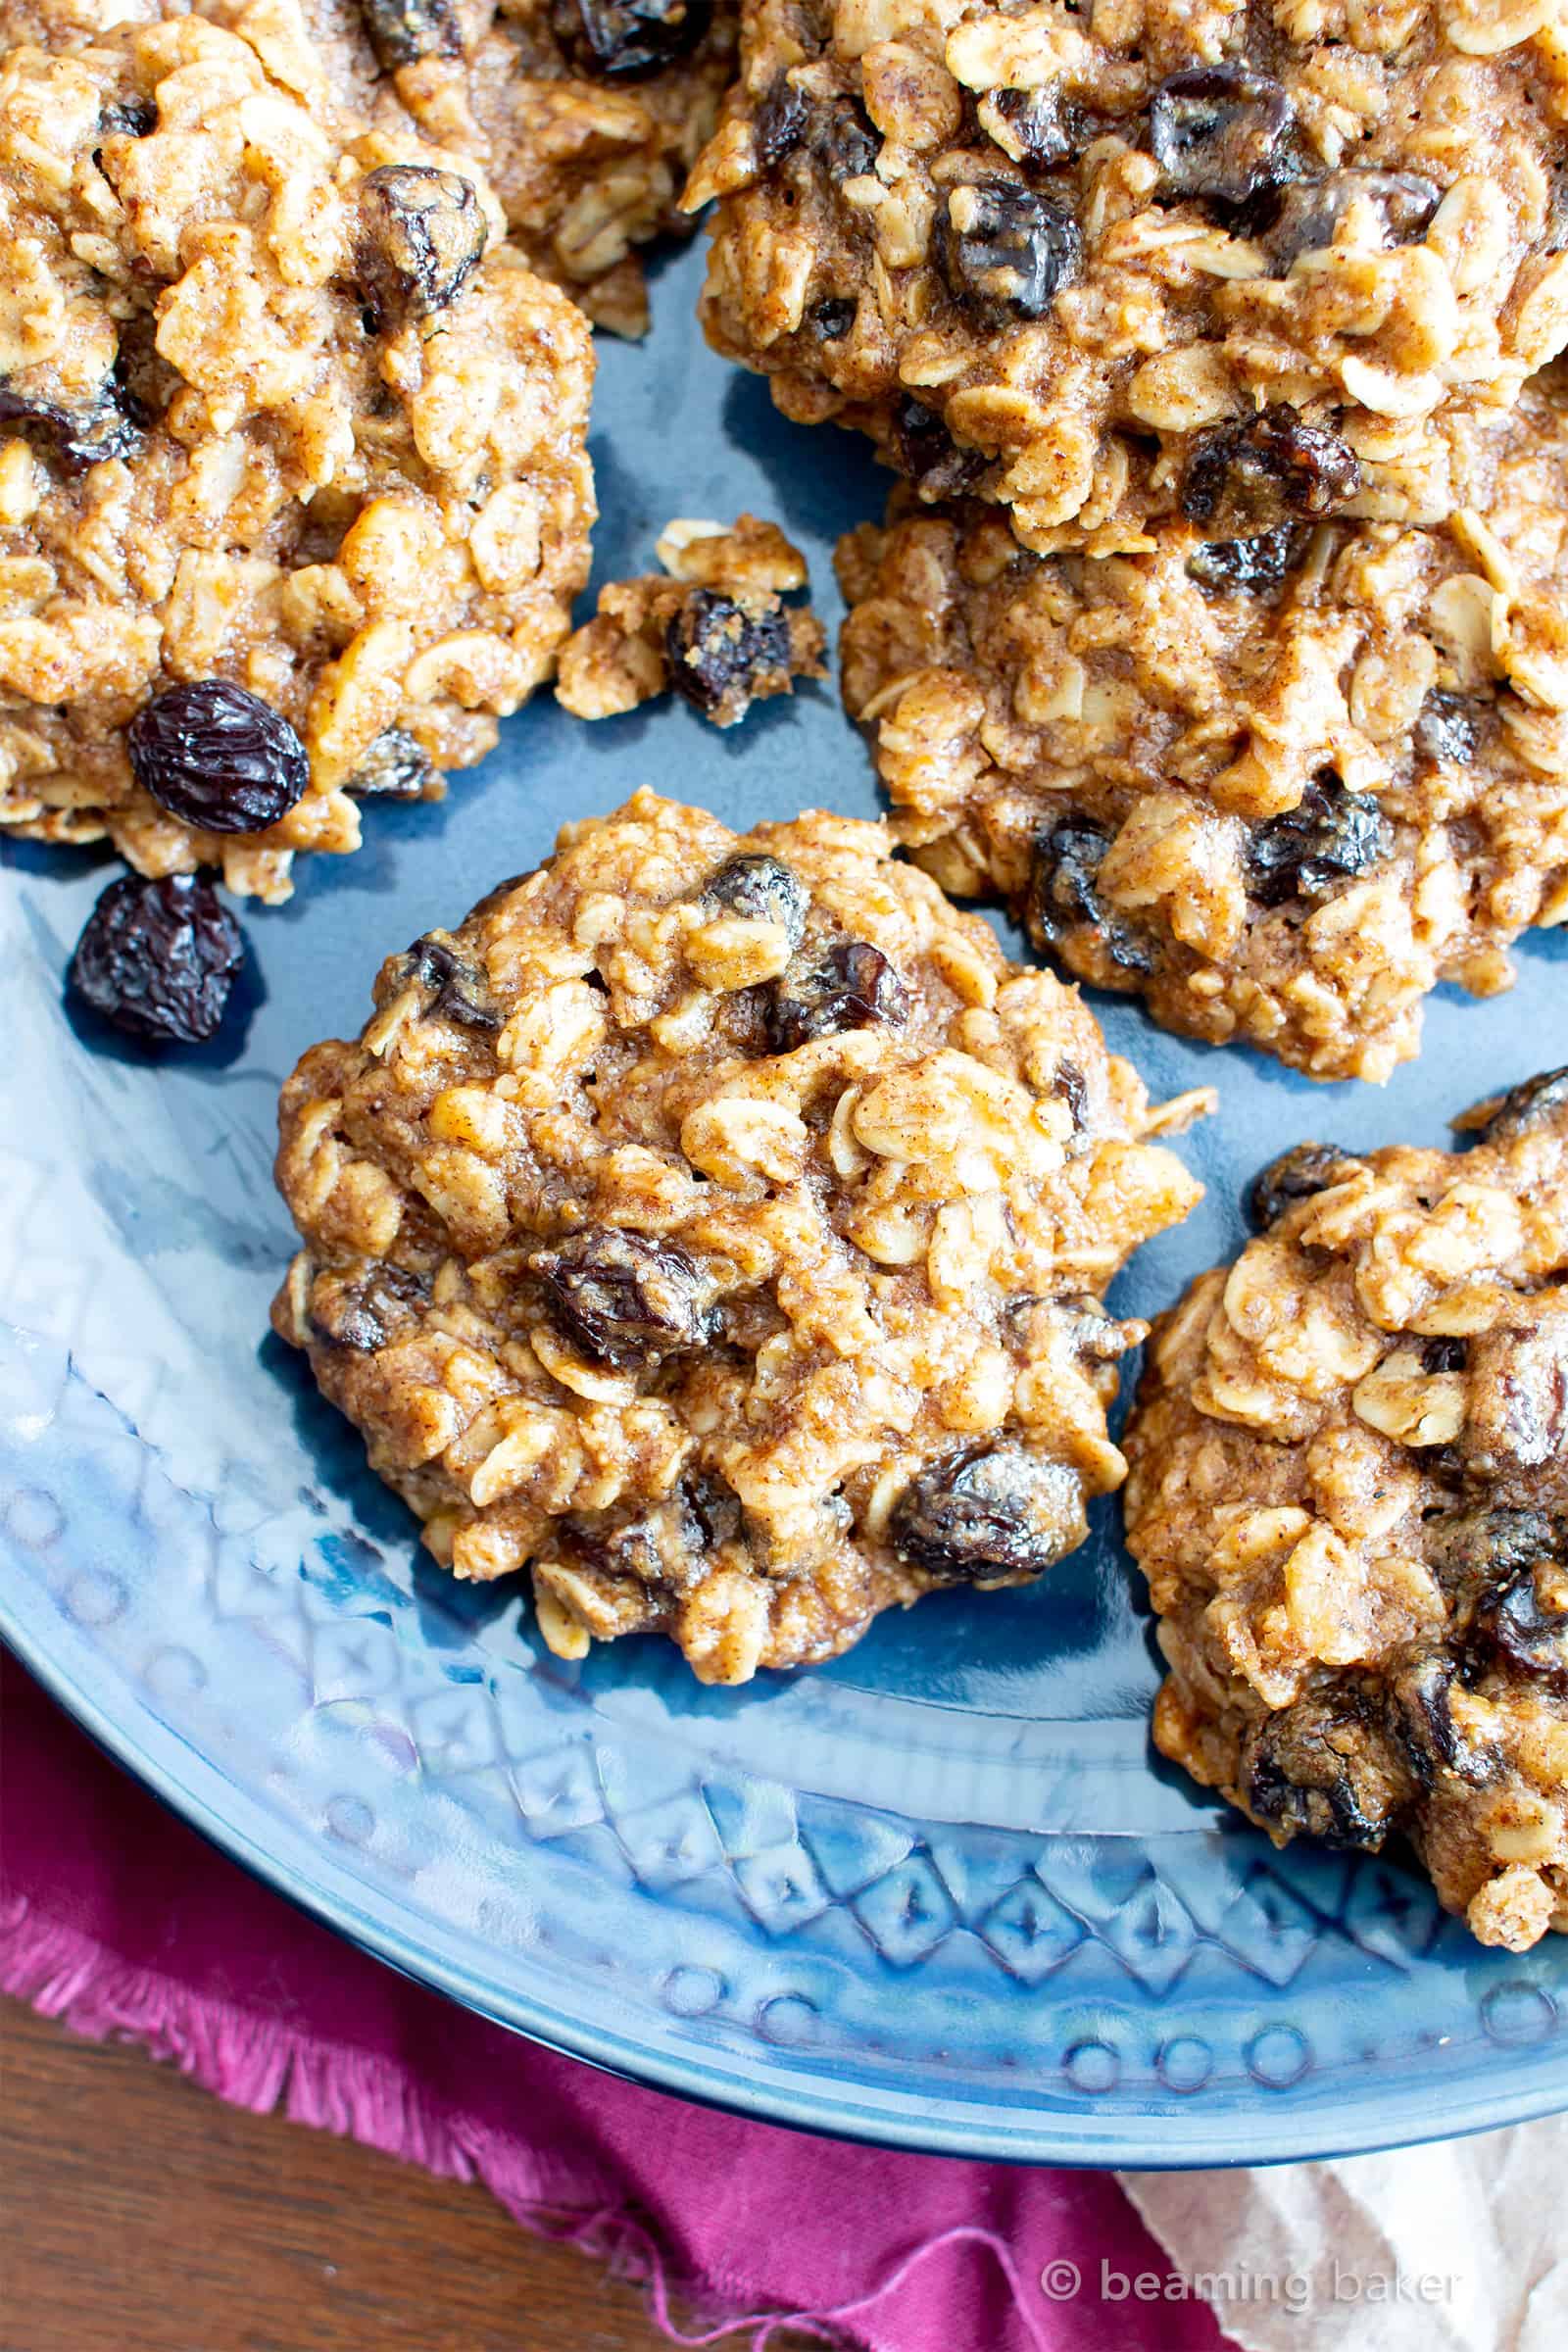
[713, 626]
[1282, 782]
[279, 416]
[1062, 257]
[1349, 1495]
[720, 1226]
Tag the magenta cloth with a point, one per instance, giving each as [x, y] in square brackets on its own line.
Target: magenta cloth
[117, 1918]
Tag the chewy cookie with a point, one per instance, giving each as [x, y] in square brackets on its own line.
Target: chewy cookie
[1059, 258]
[294, 490]
[586, 116]
[1281, 784]
[711, 626]
[719, 1225]
[1349, 1495]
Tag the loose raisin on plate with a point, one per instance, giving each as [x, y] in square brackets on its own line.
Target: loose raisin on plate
[1062, 896]
[1309, 211]
[761, 889]
[1319, 1769]
[623, 40]
[402, 31]
[1220, 132]
[928, 454]
[1529, 1104]
[363, 1309]
[987, 1512]
[1246, 567]
[851, 988]
[460, 994]
[110, 425]
[422, 238]
[1328, 837]
[720, 656]
[1296, 1176]
[1250, 476]
[1039, 129]
[395, 768]
[1445, 729]
[216, 757]
[1006, 247]
[626, 1301]
[158, 958]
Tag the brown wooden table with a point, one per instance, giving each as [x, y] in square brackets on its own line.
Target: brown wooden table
[138, 2214]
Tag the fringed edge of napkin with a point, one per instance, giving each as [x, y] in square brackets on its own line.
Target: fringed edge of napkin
[265, 2066]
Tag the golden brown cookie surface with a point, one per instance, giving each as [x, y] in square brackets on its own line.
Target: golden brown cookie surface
[1349, 1495]
[719, 1224]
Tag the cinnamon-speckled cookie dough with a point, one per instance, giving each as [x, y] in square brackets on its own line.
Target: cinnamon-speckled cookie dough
[719, 1225]
[1281, 783]
[1059, 257]
[585, 114]
[277, 409]
[713, 626]
[1349, 1495]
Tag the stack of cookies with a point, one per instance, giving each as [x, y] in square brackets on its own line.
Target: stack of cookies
[1219, 623]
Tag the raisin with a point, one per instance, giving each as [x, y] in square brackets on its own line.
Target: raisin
[1516, 1402]
[112, 425]
[365, 1309]
[832, 318]
[763, 891]
[1246, 567]
[1062, 895]
[781, 123]
[459, 993]
[216, 757]
[1472, 1553]
[1250, 476]
[1445, 729]
[624, 1301]
[1420, 1716]
[1530, 1105]
[1220, 132]
[127, 119]
[1309, 211]
[1443, 1355]
[1039, 132]
[402, 31]
[1318, 1768]
[926, 452]
[1297, 1175]
[1071, 1087]
[394, 768]
[1006, 247]
[667, 1544]
[158, 958]
[1533, 1639]
[623, 40]
[423, 234]
[852, 987]
[722, 655]
[987, 1512]
[843, 140]
[1328, 837]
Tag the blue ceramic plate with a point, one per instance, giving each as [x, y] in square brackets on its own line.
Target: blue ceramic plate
[938, 1893]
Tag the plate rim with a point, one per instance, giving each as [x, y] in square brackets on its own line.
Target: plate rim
[370, 1925]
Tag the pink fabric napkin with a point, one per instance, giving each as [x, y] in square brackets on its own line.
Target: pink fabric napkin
[120, 1921]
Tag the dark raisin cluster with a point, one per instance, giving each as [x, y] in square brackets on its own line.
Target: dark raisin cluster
[720, 656]
[625, 40]
[457, 991]
[1062, 896]
[422, 237]
[851, 986]
[1016, 249]
[1328, 837]
[158, 958]
[111, 425]
[402, 31]
[987, 1510]
[1274, 468]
